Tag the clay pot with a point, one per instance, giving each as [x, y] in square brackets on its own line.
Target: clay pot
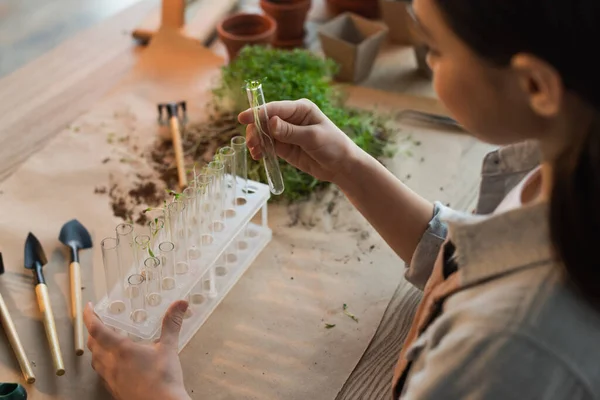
[243, 29]
[366, 8]
[290, 16]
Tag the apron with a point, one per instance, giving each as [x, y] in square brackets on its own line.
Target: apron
[443, 282]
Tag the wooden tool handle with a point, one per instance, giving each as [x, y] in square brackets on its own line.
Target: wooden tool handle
[173, 13]
[176, 133]
[15, 342]
[77, 306]
[43, 298]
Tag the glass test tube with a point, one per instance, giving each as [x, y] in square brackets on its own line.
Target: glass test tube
[137, 298]
[215, 171]
[240, 158]
[210, 282]
[114, 279]
[256, 98]
[152, 273]
[167, 253]
[178, 231]
[221, 264]
[192, 221]
[204, 186]
[226, 156]
[196, 298]
[156, 230]
[217, 194]
[142, 251]
[125, 249]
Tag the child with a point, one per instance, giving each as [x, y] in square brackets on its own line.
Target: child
[511, 295]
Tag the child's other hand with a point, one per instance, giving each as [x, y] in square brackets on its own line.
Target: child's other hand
[305, 138]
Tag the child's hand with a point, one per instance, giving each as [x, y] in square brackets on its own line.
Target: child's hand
[134, 371]
[305, 138]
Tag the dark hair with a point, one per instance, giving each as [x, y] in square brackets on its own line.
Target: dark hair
[556, 32]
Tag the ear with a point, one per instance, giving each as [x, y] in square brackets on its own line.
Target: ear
[540, 82]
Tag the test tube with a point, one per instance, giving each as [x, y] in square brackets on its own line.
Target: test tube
[125, 248]
[226, 156]
[210, 282]
[221, 264]
[193, 226]
[178, 231]
[156, 229]
[256, 98]
[204, 186]
[142, 251]
[152, 272]
[238, 143]
[166, 251]
[137, 299]
[217, 194]
[114, 279]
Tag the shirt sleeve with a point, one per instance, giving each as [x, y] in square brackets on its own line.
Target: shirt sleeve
[501, 366]
[423, 259]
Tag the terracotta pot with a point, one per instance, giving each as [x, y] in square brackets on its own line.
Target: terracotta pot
[290, 16]
[243, 29]
[366, 8]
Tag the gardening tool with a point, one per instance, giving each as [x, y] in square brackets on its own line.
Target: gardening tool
[13, 337]
[175, 119]
[12, 391]
[167, 69]
[196, 20]
[35, 259]
[430, 118]
[76, 237]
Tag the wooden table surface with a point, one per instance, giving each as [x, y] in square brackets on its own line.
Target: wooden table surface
[36, 107]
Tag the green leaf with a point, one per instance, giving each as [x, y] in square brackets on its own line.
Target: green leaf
[329, 326]
[349, 314]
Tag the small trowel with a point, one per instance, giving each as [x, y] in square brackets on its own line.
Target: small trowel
[35, 259]
[76, 237]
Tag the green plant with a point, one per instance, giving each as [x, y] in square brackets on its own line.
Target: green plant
[292, 75]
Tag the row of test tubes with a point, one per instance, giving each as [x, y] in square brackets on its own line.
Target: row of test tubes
[141, 264]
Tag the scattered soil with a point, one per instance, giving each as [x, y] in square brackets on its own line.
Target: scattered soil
[133, 193]
[119, 205]
[146, 193]
[200, 143]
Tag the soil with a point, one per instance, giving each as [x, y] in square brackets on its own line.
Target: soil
[200, 143]
[132, 192]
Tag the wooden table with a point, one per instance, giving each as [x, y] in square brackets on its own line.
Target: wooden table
[245, 351]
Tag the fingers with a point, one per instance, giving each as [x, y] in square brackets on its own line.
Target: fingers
[253, 142]
[171, 325]
[284, 133]
[98, 366]
[101, 335]
[294, 112]
[298, 135]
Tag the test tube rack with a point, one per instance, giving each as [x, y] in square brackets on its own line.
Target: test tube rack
[208, 279]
